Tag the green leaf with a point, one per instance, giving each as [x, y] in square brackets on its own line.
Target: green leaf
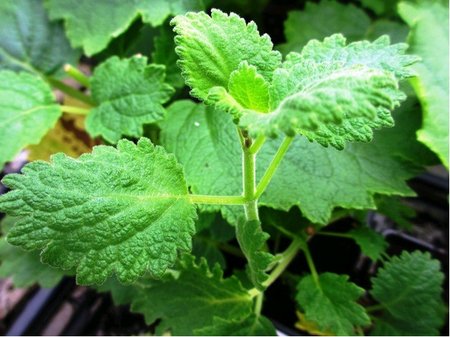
[121, 210]
[428, 21]
[398, 32]
[371, 243]
[396, 210]
[333, 93]
[209, 53]
[252, 241]
[24, 267]
[87, 25]
[249, 326]
[27, 111]
[130, 93]
[164, 53]
[332, 305]
[207, 145]
[320, 20]
[197, 295]
[409, 288]
[29, 41]
[381, 7]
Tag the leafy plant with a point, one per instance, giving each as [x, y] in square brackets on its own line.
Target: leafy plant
[300, 131]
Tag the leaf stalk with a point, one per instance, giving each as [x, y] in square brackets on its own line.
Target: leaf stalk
[77, 75]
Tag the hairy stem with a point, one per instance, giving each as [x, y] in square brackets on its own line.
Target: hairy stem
[68, 90]
[217, 199]
[77, 75]
[258, 304]
[249, 184]
[267, 177]
[257, 144]
[74, 110]
[286, 258]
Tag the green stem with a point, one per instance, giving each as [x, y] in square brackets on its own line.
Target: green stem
[311, 265]
[222, 246]
[376, 307]
[254, 292]
[77, 75]
[286, 258]
[267, 177]
[338, 235]
[249, 184]
[257, 144]
[258, 304]
[68, 90]
[217, 199]
[74, 110]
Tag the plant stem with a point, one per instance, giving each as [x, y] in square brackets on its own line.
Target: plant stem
[257, 144]
[77, 75]
[258, 304]
[249, 184]
[74, 110]
[311, 265]
[338, 235]
[376, 307]
[254, 292]
[265, 180]
[68, 90]
[217, 199]
[286, 258]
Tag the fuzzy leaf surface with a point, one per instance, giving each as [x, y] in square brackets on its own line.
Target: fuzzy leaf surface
[118, 210]
[29, 41]
[319, 20]
[212, 47]
[24, 267]
[252, 241]
[87, 25]
[372, 244]
[207, 145]
[249, 326]
[428, 21]
[27, 111]
[130, 93]
[333, 93]
[197, 295]
[332, 307]
[409, 287]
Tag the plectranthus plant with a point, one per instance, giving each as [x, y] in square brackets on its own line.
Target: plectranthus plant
[263, 130]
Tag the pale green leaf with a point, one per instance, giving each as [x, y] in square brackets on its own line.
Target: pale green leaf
[332, 303]
[24, 267]
[372, 244]
[333, 93]
[207, 145]
[93, 24]
[190, 298]
[429, 38]
[130, 93]
[29, 41]
[249, 326]
[381, 7]
[252, 241]
[212, 47]
[120, 211]
[27, 111]
[409, 288]
[319, 20]
[398, 32]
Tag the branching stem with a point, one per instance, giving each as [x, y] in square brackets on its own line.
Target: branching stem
[257, 144]
[267, 177]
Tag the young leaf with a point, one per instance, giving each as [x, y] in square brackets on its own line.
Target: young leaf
[191, 299]
[29, 41]
[428, 21]
[249, 326]
[409, 289]
[24, 267]
[252, 241]
[209, 52]
[130, 93]
[121, 210]
[27, 111]
[371, 243]
[89, 27]
[332, 306]
[333, 93]
[207, 145]
[320, 20]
